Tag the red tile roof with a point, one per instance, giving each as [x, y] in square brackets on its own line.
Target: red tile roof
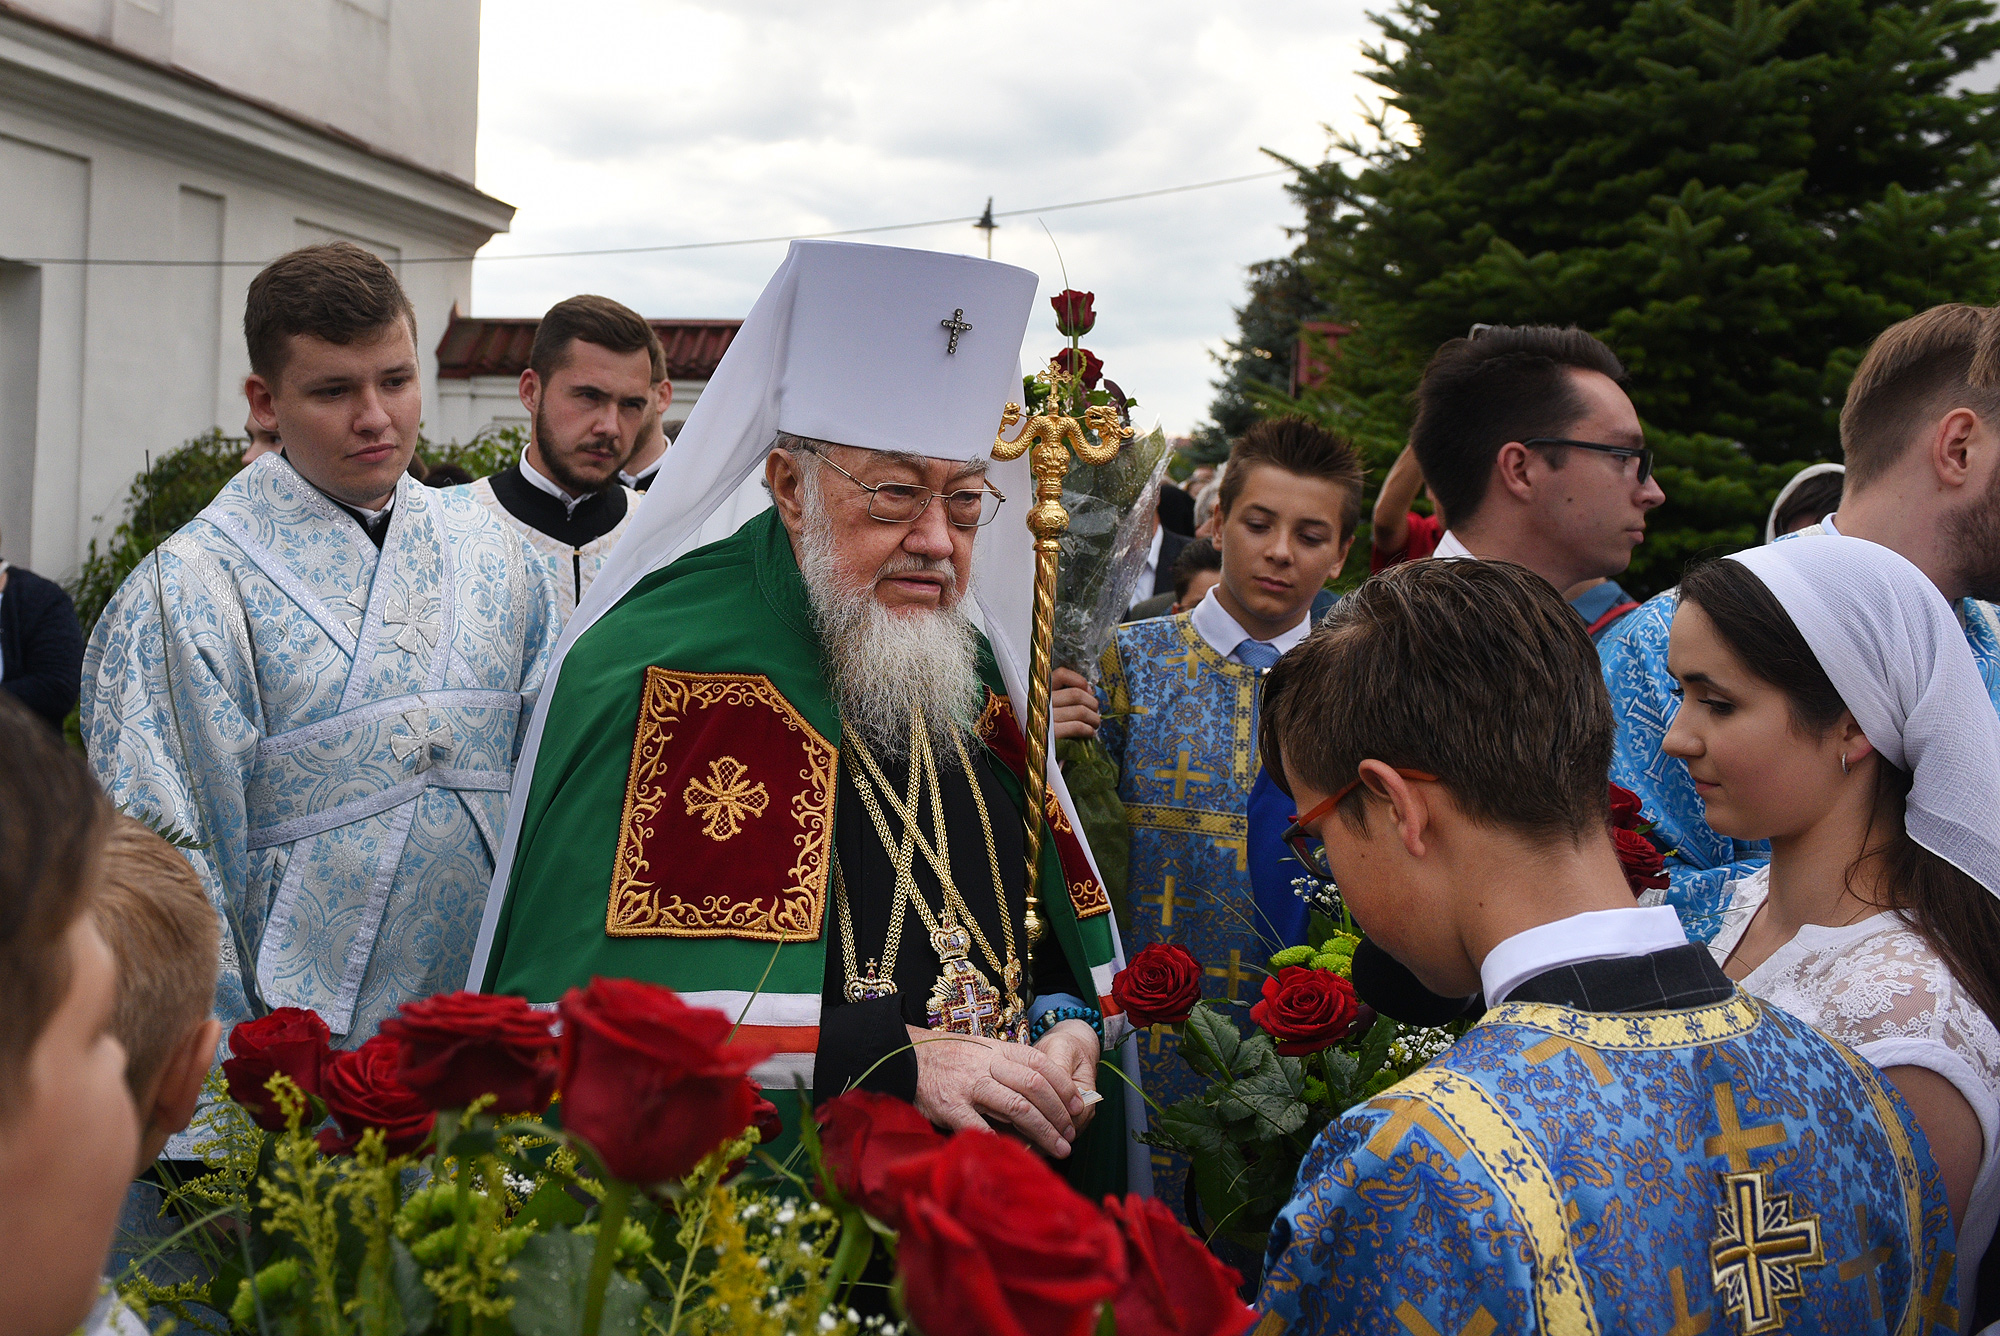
[498, 345]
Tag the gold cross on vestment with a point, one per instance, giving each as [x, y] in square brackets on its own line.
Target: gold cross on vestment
[1931, 1307]
[1759, 1250]
[1685, 1323]
[1190, 661]
[1182, 776]
[1159, 1030]
[1405, 1113]
[724, 800]
[1168, 903]
[1556, 1043]
[1735, 1140]
[1481, 1323]
[1868, 1263]
[1233, 977]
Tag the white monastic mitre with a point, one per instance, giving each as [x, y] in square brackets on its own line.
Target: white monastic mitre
[871, 346]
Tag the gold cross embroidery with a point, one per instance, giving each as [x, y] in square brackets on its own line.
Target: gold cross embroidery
[1168, 903]
[1931, 1307]
[1685, 1323]
[1734, 1140]
[1867, 1264]
[1759, 1250]
[723, 800]
[1159, 1030]
[1190, 661]
[1233, 977]
[1481, 1323]
[1556, 1043]
[1241, 847]
[1405, 1113]
[1182, 776]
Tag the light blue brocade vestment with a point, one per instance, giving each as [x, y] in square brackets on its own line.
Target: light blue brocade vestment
[1634, 657]
[1715, 1170]
[340, 732]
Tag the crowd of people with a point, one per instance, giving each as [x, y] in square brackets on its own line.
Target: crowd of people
[353, 741]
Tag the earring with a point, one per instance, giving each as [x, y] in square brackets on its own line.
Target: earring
[1843, 763]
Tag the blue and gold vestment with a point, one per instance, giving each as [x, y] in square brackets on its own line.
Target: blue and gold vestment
[1181, 721]
[1696, 1172]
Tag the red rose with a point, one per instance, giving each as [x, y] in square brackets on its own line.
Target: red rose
[866, 1138]
[1644, 868]
[363, 1091]
[1625, 812]
[1159, 987]
[1069, 359]
[459, 1046]
[1306, 1010]
[1074, 312]
[289, 1040]
[993, 1242]
[764, 1116]
[1174, 1286]
[649, 1081]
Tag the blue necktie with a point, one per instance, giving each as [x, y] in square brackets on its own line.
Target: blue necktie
[1259, 655]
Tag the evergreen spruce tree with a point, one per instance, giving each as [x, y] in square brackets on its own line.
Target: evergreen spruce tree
[1736, 196]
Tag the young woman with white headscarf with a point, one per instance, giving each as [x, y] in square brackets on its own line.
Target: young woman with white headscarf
[1830, 705]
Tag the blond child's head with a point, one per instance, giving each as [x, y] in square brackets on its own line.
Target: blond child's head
[165, 938]
[68, 1131]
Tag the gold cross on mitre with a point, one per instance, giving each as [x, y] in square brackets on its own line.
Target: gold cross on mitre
[1759, 1250]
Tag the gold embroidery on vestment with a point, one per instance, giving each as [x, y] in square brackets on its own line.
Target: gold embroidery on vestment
[1759, 1250]
[723, 799]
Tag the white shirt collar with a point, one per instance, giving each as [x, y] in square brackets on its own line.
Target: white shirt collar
[541, 482]
[1142, 588]
[1600, 934]
[634, 479]
[1223, 633]
[374, 515]
[1449, 546]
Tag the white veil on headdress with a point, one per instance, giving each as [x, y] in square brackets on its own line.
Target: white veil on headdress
[1792, 485]
[1896, 654]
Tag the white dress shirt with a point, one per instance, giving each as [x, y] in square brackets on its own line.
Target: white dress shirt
[1142, 588]
[1600, 934]
[633, 480]
[1223, 633]
[540, 481]
[1449, 546]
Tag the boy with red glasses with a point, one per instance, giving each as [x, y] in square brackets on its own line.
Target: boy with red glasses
[1625, 1143]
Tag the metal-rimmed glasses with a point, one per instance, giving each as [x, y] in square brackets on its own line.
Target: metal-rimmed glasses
[905, 503]
[1642, 453]
[1308, 848]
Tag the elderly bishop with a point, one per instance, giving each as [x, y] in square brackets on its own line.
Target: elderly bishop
[782, 773]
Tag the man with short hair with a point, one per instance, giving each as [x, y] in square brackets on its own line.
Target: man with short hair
[591, 389]
[1626, 1142]
[1921, 434]
[1529, 444]
[321, 677]
[1177, 706]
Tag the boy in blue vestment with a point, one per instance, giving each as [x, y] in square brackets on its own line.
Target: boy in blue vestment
[1179, 710]
[1625, 1143]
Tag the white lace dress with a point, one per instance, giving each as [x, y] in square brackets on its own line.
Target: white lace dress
[1877, 987]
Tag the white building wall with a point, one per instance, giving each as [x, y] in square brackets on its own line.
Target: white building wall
[108, 159]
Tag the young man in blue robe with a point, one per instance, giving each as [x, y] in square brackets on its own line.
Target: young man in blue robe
[1178, 710]
[1625, 1143]
[1921, 435]
[321, 678]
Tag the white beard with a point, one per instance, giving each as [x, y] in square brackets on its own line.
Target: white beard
[887, 664]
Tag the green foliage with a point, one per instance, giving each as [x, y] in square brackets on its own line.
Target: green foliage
[1736, 195]
[1258, 361]
[492, 448]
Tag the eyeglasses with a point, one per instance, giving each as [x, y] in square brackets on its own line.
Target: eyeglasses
[1642, 453]
[902, 503]
[1308, 848]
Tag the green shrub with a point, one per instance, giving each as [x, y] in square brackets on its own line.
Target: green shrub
[162, 499]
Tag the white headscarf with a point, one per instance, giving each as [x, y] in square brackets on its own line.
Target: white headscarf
[1896, 654]
[1785, 494]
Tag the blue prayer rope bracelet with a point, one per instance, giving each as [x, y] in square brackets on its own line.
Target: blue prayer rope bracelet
[1055, 1016]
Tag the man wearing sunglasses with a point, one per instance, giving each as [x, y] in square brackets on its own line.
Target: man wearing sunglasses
[1528, 441]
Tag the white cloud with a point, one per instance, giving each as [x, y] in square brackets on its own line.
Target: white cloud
[647, 122]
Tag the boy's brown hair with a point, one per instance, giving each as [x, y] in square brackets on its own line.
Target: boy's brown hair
[52, 820]
[334, 291]
[163, 933]
[1916, 371]
[1296, 446]
[1474, 671]
[598, 320]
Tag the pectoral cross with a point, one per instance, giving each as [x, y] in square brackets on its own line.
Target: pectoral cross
[1168, 903]
[957, 326]
[1182, 776]
[1233, 976]
[974, 1009]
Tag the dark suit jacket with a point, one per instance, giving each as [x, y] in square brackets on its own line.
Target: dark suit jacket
[1171, 544]
[41, 644]
[1176, 509]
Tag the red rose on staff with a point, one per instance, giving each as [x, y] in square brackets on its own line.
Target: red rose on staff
[1306, 1010]
[1092, 366]
[289, 1040]
[1625, 809]
[866, 1139]
[459, 1046]
[1173, 1285]
[648, 1081]
[1075, 313]
[1159, 987]
[364, 1091]
[994, 1242]
[1643, 866]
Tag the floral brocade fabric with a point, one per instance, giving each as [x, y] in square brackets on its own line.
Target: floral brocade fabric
[1716, 1170]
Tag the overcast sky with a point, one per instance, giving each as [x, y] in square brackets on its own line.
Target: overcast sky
[648, 122]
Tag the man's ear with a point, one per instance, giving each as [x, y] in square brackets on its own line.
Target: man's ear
[665, 392]
[178, 1090]
[530, 390]
[1962, 449]
[1511, 470]
[1339, 562]
[263, 402]
[1409, 810]
[785, 474]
